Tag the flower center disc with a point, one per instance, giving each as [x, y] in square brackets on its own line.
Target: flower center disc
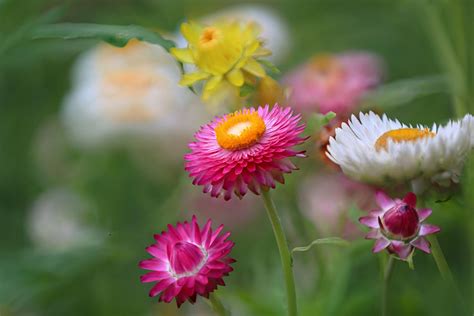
[402, 135]
[240, 130]
[209, 37]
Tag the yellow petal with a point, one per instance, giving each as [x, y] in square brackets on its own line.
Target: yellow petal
[191, 78]
[252, 48]
[252, 66]
[182, 54]
[212, 83]
[191, 32]
[261, 52]
[236, 77]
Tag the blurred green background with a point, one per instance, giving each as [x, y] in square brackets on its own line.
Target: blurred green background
[129, 204]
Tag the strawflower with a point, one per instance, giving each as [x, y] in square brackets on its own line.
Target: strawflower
[333, 82]
[187, 261]
[225, 52]
[379, 150]
[399, 226]
[129, 93]
[245, 150]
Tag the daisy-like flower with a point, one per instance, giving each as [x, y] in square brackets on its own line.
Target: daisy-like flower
[273, 28]
[188, 261]
[225, 52]
[129, 93]
[398, 226]
[333, 82]
[378, 150]
[247, 149]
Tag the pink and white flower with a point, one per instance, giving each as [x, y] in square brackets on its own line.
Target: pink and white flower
[188, 261]
[398, 226]
[333, 82]
[245, 150]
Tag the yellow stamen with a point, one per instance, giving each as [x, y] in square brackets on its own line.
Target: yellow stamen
[240, 130]
[209, 37]
[402, 135]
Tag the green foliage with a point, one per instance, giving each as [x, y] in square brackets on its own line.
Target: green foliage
[322, 241]
[116, 35]
[317, 121]
[402, 92]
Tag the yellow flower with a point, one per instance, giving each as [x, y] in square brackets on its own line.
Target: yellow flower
[224, 52]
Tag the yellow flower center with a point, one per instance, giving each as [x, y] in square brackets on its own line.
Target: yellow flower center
[209, 37]
[240, 130]
[402, 135]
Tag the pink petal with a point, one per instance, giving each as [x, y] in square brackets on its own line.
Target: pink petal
[373, 234]
[401, 249]
[424, 213]
[153, 264]
[428, 229]
[422, 244]
[383, 200]
[154, 276]
[160, 286]
[410, 199]
[369, 221]
[380, 245]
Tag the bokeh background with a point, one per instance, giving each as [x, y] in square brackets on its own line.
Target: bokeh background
[103, 205]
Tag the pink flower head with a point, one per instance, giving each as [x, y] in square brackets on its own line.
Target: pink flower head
[326, 199]
[187, 261]
[333, 82]
[247, 149]
[398, 226]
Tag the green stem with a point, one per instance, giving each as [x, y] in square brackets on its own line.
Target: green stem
[217, 305]
[448, 58]
[386, 277]
[285, 255]
[440, 260]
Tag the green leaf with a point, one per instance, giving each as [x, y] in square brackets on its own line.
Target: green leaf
[269, 66]
[246, 90]
[12, 39]
[323, 241]
[404, 91]
[117, 35]
[317, 121]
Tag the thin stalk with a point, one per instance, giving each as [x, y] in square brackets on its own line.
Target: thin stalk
[448, 58]
[285, 255]
[386, 277]
[440, 260]
[217, 305]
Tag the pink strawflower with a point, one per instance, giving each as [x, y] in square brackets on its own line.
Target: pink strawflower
[326, 199]
[247, 149]
[333, 82]
[187, 261]
[398, 226]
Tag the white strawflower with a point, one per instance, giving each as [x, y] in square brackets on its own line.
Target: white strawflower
[60, 220]
[129, 93]
[379, 150]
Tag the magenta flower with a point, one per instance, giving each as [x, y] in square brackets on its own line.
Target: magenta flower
[398, 226]
[187, 261]
[245, 150]
[333, 82]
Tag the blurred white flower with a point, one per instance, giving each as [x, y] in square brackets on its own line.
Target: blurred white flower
[130, 93]
[275, 30]
[58, 220]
